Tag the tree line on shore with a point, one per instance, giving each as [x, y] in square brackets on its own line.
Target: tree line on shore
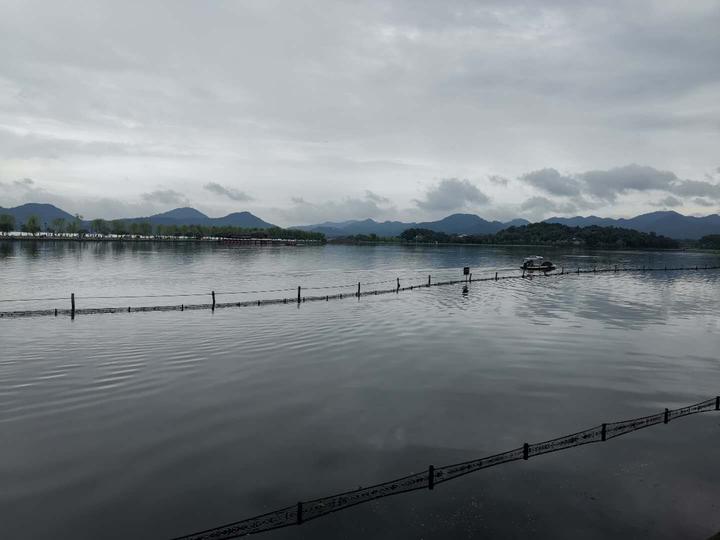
[549, 234]
[120, 228]
[533, 234]
[556, 234]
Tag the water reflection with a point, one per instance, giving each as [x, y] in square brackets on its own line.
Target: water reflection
[189, 418]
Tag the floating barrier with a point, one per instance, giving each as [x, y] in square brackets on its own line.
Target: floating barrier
[361, 291]
[304, 511]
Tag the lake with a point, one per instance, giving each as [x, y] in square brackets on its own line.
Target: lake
[154, 425]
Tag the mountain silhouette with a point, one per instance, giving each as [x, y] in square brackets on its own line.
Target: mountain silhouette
[179, 216]
[666, 223]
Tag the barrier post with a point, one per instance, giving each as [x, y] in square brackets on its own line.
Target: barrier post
[717, 403]
[299, 513]
[603, 432]
[358, 293]
[298, 294]
[72, 305]
[526, 450]
[428, 280]
[213, 298]
[666, 418]
[398, 285]
[431, 477]
[495, 276]
[562, 270]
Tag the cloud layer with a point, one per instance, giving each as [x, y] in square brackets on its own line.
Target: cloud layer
[230, 193]
[452, 194]
[324, 100]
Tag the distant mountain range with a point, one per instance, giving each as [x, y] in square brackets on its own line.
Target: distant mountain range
[454, 224]
[180, 216]
[666, 223]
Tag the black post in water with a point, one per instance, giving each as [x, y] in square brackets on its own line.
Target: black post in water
[526, 450]
[428, 281]
[72, 305]
[470, 276]
[717, 403]
[603, 432]
[666, 418]
[616, 267]
[398, 284]
[578, 270]
[495, 276]
[358, 293]
[299, 513]
[431, 477]
[298, 294]
[213, 297]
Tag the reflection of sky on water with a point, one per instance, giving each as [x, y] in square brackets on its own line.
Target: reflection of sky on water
[186, 420]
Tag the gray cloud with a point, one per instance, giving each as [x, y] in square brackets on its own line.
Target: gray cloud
[498, 180]
[552, 182]
[25, 183]
[230, 193]
[703, 202]
[593, 189]
[696, 188]
[452, 194]
[608, 184]
[540, 206]
[165, 197]
[30, 146]
[668, 202]
[374, 197]
[371, 205]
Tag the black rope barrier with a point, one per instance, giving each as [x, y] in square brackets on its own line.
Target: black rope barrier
[358, 286]
[307, 510]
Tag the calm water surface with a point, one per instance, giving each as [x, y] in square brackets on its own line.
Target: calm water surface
[152, 425]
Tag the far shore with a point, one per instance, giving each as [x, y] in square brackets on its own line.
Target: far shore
[26, 237]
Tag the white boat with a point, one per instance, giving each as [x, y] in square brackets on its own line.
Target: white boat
[537, 264]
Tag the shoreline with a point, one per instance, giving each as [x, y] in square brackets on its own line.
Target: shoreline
[145, 239]
[294, 242]
[557, 246]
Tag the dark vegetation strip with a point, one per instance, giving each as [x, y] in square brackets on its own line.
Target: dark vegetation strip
[304, 511]
[358, 291]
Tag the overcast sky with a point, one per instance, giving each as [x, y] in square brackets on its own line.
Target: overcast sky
[303, 111]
